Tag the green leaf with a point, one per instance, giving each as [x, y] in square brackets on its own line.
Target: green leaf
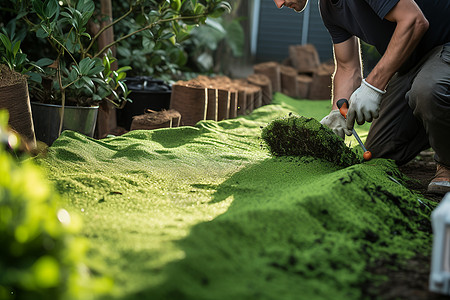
[86, 6]
[51, 8]
[20, 59]
[199, 9]
[148, 43]
[103, 92]
[187, 8]
[236, 38]
[86, 35]
[141, 20]
[74, 23]
[34, 66]
[21, 14]
[16, 48]
[166, 36]
[38, 7]
[35, 77]
[220, 9]
[182, 36]
[85, 65]
[216, 25]
[96, 70]
[43, 62]
[6, 42]
[121, 76]
[123, 86]
[42, 32]
[155, 60]
[114, 94]
[78, 84]
[88, 81]
[74, 73]
[86, 88]
[124, 69]
[208, 37]
[70, 46]
[20, 36]
[107, 65]
[66, 14]
[176, 27]
[86, 16]
[125, 52]
[206, 61]
[11, 30]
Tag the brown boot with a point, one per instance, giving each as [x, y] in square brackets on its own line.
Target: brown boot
[441, 181]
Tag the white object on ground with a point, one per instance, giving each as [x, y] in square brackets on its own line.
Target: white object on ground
[440, 259]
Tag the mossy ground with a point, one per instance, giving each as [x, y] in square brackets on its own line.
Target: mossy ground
[206, 212]
[301, 136]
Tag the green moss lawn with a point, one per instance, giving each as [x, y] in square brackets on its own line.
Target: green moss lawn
[205, 212]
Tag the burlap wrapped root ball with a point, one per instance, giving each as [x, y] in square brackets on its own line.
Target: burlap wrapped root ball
[156, 119]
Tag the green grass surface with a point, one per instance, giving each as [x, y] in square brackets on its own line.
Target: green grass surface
[205, 212]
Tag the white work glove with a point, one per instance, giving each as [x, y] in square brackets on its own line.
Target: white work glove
[364, 104]
[336, 122]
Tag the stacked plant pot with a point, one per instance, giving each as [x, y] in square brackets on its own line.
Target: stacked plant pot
[215, 98]
[301, 75]
[156, 119]
[147, 94]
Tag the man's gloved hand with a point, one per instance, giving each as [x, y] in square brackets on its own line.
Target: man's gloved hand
[336, 122]
[364, 104]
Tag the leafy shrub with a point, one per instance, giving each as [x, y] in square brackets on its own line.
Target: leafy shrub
[41, 256]
[210, 46]
[168, 50]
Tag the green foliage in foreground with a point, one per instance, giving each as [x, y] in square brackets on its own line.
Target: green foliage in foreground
[41, 256]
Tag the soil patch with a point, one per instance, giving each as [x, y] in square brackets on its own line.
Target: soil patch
[421, 170]
[8, 77]
[410, 280]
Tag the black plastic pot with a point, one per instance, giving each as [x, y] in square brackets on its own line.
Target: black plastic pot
[147, 93]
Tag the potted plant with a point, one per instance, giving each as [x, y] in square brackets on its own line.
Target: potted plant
[81, 89]
[168, 59]
[72, 82]
[78, 70]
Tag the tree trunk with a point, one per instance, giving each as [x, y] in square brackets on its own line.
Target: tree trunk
[107, 120]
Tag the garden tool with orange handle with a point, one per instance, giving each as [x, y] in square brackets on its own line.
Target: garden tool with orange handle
[342, 104]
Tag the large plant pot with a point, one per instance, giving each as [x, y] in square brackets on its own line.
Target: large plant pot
[46, 119]
[146, 93]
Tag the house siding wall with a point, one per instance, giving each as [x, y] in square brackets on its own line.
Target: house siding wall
[280, 28]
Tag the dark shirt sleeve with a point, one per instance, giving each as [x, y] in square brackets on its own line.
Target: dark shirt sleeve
[382, 7]
[337, 33]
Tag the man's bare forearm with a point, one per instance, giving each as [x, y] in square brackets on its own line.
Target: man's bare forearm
[345, 82]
